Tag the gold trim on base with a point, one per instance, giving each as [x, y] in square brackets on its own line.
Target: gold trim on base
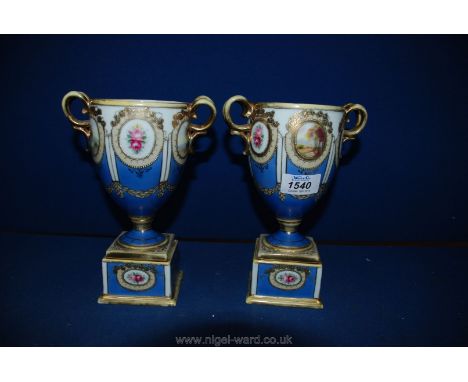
[161, 254]
[144, 249]
[144, 300]
[274, 256]
[313, 303]
[266, 253]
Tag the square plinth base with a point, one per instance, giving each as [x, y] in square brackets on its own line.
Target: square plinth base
[137, 276]
[285, 277]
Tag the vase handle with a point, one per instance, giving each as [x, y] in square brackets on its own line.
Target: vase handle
[242, 130]
[195, 130]
[77, 124]
[361, 120]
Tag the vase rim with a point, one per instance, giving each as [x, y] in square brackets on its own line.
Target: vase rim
[286, 105]
[138, 102]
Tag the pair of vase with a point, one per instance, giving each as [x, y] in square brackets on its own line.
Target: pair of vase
[139, 148]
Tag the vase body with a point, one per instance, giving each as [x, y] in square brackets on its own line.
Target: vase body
[294, 154]
[294, 151]
[139, 150]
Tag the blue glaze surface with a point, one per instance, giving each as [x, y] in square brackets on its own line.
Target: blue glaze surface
[288, 239]
[286, 206]
[141, 238]
[265, 288]
[139, 151]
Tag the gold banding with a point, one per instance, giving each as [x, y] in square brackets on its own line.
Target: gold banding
[144, 300]
[307, 256]
[136, 102]
[288, 225]
[142, 223]
[314, 303]
[361, 120]
[150, 247]
[283, 248]
[160, 253]
[241, 130]
[77, 124]
[194, 130]
[121, 190]
[279, 259]
[285, 105]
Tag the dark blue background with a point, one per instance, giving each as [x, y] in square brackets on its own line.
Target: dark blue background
[404, 180]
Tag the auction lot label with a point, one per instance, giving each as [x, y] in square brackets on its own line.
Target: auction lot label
[300, 184]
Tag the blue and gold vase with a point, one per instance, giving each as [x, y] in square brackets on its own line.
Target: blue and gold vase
[294, 151]
[139, 148]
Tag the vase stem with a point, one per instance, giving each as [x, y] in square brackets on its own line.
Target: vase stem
[142, 234]
[142, 223]
[288, 226]
[288, 236]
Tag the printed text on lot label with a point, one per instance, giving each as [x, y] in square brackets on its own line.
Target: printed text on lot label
[300, 184]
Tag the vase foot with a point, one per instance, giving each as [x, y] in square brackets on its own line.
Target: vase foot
[141, 276]
[285, 278]
[136, 238]
[288, 236]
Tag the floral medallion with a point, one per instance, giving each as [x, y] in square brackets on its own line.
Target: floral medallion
[96, 139]
[135, 277]
[179, 141]
[259, 138]
[288, 278]
[137, 136]
[309, 138]
[263, 135]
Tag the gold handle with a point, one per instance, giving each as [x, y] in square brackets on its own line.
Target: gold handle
[194, 130]
[242, 130]
[80, 125]
[361, 120]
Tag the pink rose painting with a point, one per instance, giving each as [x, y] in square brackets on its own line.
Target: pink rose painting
[289, 279]
[136, 138]
[137, 278]
[258, 137]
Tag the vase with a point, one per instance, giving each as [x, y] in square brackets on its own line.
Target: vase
[294, 151]
[139, 148]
